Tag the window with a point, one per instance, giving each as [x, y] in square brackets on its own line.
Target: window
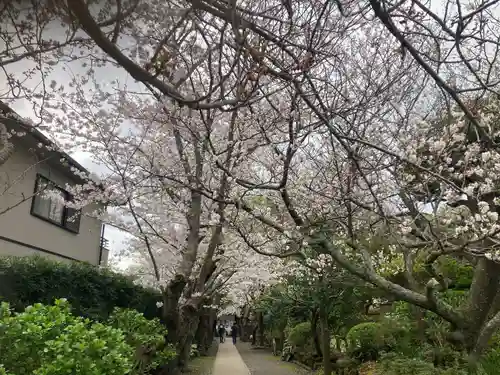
[49, 204]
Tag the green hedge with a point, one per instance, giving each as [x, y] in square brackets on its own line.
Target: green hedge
[92, 292]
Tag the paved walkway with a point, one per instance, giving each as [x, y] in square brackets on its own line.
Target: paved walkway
[228, 361]
[262, 362]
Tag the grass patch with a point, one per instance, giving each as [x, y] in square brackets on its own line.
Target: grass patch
[204, 365]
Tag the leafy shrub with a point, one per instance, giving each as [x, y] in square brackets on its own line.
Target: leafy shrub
[459, 272]
[92, 292]
[300, 334]
[49, 340]
[490, 363]
[366, 340]
[348, 369]
[394, 364]
[194, 352]
[147, 336]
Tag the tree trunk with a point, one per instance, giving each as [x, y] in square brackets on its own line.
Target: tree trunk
[261, 329]
[314, 329]
[484, 289]
[325, 341]
[483, 339]
[203, 337]
[282, 341]
[188, 324]
[212, 325]
[170, 313]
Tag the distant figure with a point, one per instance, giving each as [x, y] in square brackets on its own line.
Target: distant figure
[222, 333]
[234, 333]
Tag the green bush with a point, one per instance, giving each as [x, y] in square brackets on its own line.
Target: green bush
[460, 272]
[300, 334]
[366, 340]
[364, 335]
[49, 340]
[490, 363]
[92, 292]
[394, 364]
[148, 336]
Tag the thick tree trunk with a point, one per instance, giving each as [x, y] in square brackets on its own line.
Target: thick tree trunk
[212, 322]
[484, 289]
[495, 306]
[314, 329]
[261, 329]
[325, 341]
[281, 341]
[188, 324]
[170, 313]
[203, 336]
[483, 338]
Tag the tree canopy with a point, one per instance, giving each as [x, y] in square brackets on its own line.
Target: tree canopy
[233, 136]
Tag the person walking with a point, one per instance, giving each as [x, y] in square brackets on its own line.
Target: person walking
[222, 333]
[234, 333]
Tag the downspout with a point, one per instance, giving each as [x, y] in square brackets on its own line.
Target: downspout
[101, 245]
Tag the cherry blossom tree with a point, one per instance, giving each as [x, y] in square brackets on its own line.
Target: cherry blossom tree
[328, 125]
[168, 183]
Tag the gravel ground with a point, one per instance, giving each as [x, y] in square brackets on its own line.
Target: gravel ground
[262, 362]
[204, 365]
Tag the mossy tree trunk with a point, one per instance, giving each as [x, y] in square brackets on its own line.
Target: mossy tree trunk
[325, 340]
[314, 329]
[170, 312]
[188, 324]
[261, 328]
[204, 334]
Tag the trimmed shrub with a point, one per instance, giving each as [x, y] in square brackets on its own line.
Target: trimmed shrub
[49, 340]
[366, 340]
[92, 292]
[300, 335]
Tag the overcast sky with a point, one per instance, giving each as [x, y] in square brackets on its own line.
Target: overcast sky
[63, 73]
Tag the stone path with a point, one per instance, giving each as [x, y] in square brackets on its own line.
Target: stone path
[262, 362]
[229, 362]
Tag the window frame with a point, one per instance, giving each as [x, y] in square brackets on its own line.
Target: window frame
[65, 213]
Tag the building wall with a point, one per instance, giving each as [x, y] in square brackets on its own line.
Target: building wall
[17, 183]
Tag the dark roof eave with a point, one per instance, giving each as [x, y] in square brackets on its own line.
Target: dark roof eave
[40, 137]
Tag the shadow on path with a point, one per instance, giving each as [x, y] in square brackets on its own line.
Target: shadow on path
[262, 362]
